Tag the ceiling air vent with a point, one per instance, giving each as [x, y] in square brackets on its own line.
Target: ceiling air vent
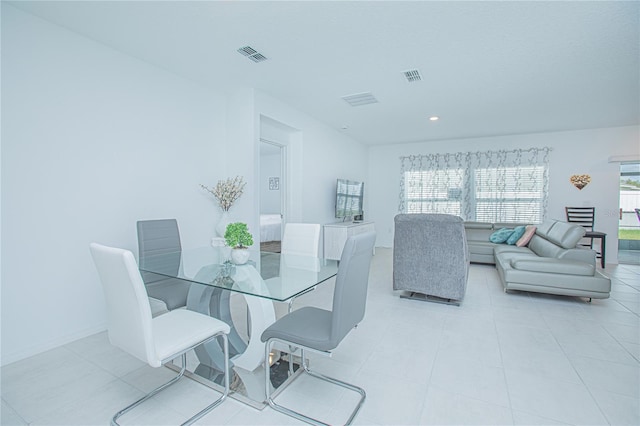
[359, 99]
[412, 75]
[252, 54]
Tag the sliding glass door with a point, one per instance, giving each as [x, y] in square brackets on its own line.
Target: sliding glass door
[629, 228]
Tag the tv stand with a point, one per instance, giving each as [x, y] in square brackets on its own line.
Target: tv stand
[336, 234]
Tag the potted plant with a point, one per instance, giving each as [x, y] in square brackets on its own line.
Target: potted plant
[238, 237]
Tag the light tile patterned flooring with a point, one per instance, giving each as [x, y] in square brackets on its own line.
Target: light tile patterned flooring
[518, 358]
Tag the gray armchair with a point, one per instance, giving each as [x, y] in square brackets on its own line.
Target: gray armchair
[430, 257]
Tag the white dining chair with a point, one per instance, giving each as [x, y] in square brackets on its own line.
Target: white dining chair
[301, 239]
[158, 340]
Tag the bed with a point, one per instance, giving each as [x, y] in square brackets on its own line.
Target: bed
[270, 227]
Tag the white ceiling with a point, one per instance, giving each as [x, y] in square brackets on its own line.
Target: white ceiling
[488, 68]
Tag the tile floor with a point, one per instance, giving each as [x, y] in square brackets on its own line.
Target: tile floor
[519, 358]
[631, 257]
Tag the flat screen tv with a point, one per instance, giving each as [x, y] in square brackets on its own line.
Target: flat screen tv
[349, 199]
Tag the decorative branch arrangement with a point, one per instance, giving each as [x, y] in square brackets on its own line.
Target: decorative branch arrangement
[226, 192]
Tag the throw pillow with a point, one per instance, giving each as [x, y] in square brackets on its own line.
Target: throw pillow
[526, 237]
[501, 235]
[515, 236]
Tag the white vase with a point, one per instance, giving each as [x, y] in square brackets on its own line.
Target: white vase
[240, 256]
[221, 227]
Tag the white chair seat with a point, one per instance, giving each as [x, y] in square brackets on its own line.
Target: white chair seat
[180, 329]
[158, 307]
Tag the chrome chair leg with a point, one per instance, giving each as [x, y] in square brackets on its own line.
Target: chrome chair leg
[306, 369]
[183, 357]
[292, 349]
[114, 420]
[218, 401]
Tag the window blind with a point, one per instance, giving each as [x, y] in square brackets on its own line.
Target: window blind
[489, 186]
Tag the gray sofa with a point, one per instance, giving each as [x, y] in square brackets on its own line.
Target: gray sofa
[550, 263]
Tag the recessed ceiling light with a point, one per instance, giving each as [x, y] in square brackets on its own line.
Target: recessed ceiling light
[434, 118]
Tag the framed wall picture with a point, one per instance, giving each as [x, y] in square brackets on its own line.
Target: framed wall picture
[274, 183]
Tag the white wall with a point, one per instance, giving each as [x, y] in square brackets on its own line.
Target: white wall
[577, 152]
[92, 141]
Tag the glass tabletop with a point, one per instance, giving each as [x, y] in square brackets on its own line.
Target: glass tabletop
[269, 275]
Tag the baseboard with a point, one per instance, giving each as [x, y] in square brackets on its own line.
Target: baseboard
[11, 357]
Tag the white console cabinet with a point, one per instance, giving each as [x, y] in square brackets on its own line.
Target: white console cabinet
[336, 234]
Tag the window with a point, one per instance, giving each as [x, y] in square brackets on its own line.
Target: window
[491, 186]
[509, 194]
[434, 191]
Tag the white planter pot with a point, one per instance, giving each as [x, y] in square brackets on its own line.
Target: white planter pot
[240, 256]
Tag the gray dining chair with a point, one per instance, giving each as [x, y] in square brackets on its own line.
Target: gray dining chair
[158, 340]
[162, 236]
[583, 216]
[311, 328]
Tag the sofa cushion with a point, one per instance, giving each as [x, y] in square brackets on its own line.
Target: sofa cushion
[511, 225]
[553, 266]
[501, 235]
[515, 236]
[544, 227]
[482, 247]
[478, 225]
[529, 232]
[503, 248]
[566, 235]
[478, 234]
[543, 247]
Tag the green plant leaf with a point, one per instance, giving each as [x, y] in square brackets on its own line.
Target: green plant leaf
[237, 235]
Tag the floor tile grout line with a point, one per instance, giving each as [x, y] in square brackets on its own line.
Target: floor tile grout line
[584, 384]
[504, 371]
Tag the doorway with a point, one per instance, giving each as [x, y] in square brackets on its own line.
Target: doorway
[278, 137]
[629, 226]
[272, 182]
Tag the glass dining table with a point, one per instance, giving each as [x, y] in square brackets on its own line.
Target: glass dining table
[218, 288]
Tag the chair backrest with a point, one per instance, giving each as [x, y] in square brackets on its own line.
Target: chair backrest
[350, 294]
[301, 238]
[158, 237]
[128, 311]
[583, 216]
